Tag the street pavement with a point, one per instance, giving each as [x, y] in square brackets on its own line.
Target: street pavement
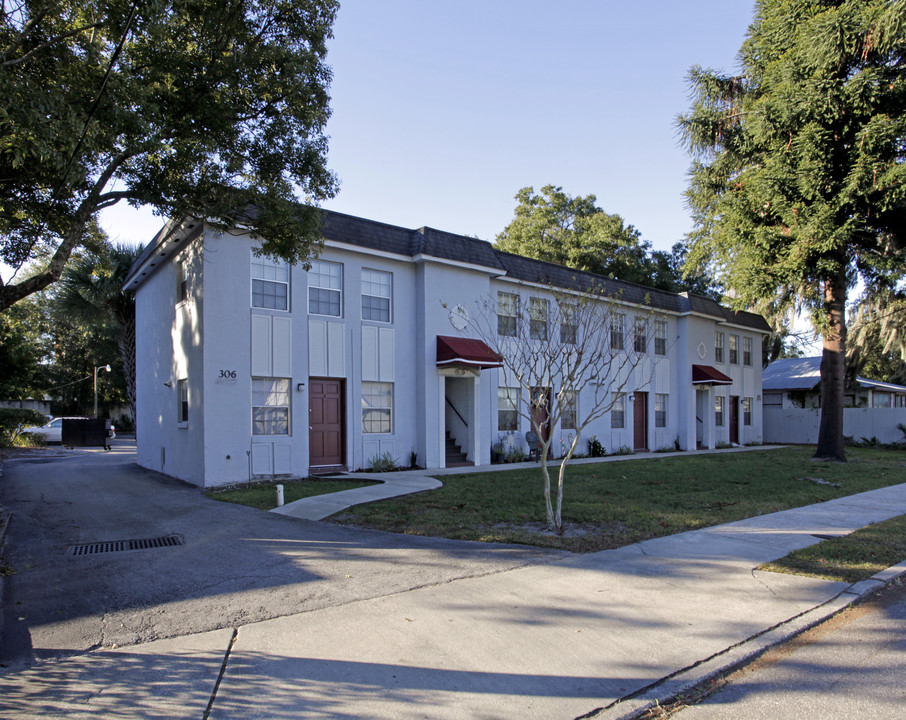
[437, 629]
[852, 667]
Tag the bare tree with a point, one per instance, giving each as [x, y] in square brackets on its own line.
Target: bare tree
[572, 356]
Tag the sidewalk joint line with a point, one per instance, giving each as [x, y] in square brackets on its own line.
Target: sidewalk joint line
[223, 667]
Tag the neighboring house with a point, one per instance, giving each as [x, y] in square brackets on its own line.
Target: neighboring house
[796, 383]
[247, 367]
[42, 406]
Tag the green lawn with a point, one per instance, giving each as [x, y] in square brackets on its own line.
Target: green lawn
[264, 495]
[607, 505]
[850, 559]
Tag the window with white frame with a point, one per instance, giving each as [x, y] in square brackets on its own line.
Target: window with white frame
[507, 314]
[270, 283]
[182, 394]
[569, 410]
[734, 349]
[718, 347]
[569, 323]
[640, 340]
[270, 406]
[325, 288]
[660, 410]
[618, 411]
[747, 411]
[377, 407]
[747, 351]
[507, 413]
[617, 322]
[537, 318]
[182, 283]
[660, 337]
[377, 290]
[719, 410]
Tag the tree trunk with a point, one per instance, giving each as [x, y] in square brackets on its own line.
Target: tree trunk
[830, 431]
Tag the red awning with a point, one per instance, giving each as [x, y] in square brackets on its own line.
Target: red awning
[465, 351]
[707, 375]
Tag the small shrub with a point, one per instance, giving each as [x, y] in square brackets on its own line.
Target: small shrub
[902, 428]
[595, 448]
[12, 420]
[383, 463]
[723, 445]
[413, 458]
[624, 450]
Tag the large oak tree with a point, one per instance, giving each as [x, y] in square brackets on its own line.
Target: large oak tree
[798, 185]
[196, 107]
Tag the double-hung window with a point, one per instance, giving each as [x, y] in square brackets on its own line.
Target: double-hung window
[640, 341]
[182, 392]
[734, 349]
[660, 410]
[660, 337]
[616, 331]
[719, 410]
[618, 411]
[747, 351]
[325, 288]
[507, 414]
[377, 407]
[718, 347]
[569, 323]
[569, 411]
[182, 286]
[377, 290]
[507, 314]
[270, 406]
[747, 411]
[270, 283]
[537, 318]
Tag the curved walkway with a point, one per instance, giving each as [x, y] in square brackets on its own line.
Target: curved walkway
[408, 482]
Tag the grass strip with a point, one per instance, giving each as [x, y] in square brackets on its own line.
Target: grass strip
[264, 495]
[611, 504]
[851, 558]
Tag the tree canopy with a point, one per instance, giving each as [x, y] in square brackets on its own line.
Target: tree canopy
[573, 231]
[797, 184]
[198, 108]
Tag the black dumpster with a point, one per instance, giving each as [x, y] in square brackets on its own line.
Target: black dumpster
[86, 432]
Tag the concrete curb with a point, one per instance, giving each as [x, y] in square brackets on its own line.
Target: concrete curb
[669, 688]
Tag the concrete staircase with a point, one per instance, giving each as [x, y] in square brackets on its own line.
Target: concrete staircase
[455, 456]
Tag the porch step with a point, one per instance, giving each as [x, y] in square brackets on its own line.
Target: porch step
[455, 457]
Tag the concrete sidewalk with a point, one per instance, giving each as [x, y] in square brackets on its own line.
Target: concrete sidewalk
[560, 640]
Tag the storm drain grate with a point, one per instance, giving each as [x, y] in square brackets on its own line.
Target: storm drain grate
[112, 546]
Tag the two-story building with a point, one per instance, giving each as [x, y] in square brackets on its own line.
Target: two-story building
[248, 367]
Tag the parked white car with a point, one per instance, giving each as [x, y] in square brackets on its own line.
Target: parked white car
[52, 432]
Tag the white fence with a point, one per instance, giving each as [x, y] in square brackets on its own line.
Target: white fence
[801, 426]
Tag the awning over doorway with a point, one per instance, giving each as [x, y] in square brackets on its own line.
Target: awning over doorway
[707, 375]
[465, 351]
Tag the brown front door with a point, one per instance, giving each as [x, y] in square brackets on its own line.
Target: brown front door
[325, 434]
[734, 419]
[640, 421]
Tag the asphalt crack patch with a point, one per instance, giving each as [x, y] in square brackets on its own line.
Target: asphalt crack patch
[223, 667]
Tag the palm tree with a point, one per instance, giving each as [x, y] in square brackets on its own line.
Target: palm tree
[92, 290]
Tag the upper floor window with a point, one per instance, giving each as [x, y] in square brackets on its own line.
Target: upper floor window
[734, 349]
[616, 331]
[507, 314]
[182, 285]
[537, 319]
[377, 290]
[569, 323]
[660, 337]
[325, 288]
[718, 347]
[270, 283]
[640, 341]
[747, 351]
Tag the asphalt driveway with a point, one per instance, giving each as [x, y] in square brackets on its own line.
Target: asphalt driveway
[237, 565]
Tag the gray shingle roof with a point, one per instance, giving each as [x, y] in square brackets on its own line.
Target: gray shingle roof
[792, 374]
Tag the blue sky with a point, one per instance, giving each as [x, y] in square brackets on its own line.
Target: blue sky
[443, 110]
